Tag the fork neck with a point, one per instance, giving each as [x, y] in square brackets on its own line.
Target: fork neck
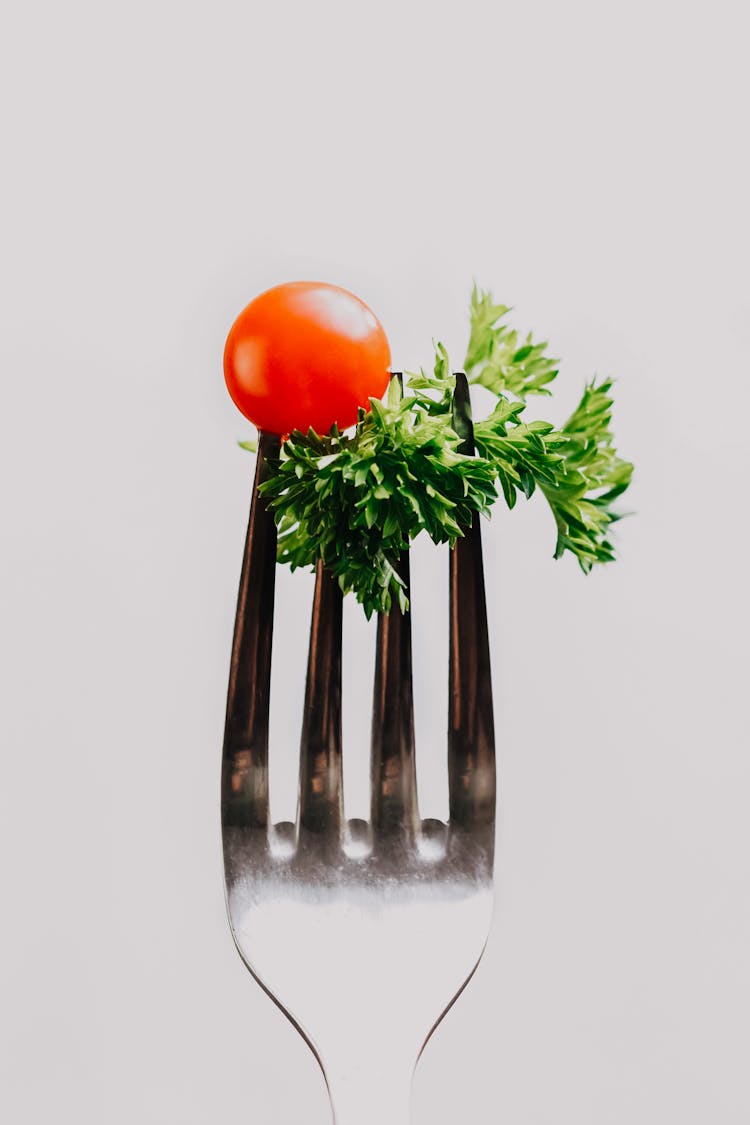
[371, 1095]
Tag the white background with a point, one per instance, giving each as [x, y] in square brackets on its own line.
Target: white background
[165, 162]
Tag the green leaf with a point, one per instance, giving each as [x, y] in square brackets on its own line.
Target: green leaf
[357, 499]
[494, 358]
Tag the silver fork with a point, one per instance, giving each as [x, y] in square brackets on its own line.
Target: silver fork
[364, 933]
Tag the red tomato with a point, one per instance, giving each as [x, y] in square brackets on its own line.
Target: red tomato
[305, 354]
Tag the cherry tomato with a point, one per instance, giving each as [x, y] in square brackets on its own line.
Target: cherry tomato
[305, 354]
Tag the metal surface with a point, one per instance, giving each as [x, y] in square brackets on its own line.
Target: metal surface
[362, 932]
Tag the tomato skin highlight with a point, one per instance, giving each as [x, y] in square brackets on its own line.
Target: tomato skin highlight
[304, 354]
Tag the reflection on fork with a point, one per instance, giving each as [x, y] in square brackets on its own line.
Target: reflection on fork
[363, 932]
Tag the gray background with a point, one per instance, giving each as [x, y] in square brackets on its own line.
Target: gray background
[163, 164]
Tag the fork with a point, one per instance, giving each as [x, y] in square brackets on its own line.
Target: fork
[363, 932]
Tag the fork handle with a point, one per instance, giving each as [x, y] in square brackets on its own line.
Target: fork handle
[359, 1098]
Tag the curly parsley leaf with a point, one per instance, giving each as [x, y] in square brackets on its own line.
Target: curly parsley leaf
[356, 500]
[497, 358]
[594, 477]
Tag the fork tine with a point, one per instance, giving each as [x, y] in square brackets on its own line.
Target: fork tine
[320, 785]
[471, 739]
[392, 766]
[244, 783]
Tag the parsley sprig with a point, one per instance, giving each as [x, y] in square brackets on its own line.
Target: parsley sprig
[357, 499]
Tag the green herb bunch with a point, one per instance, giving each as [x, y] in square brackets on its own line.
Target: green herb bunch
[357, 499]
